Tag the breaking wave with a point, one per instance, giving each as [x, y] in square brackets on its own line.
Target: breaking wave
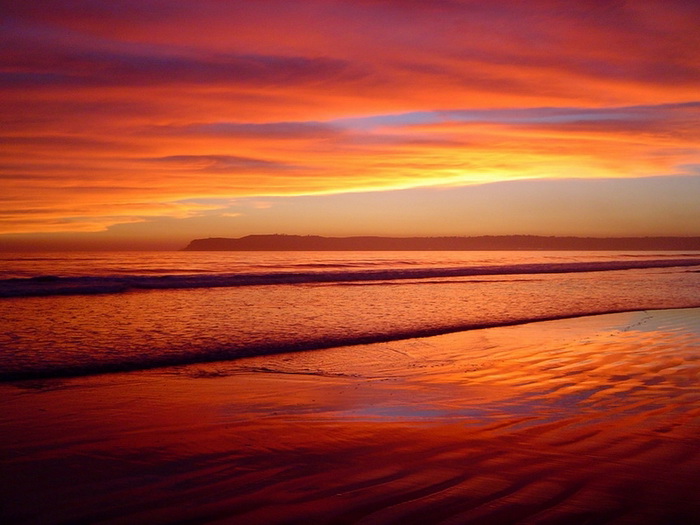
[48, 285]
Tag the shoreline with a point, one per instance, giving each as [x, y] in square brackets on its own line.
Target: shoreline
[281, 242]
[300, 347]
[589, 418]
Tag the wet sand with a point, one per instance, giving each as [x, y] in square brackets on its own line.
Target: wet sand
[590, 420]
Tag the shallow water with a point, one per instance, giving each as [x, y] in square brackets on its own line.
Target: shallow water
[88, 333]
[590, 420]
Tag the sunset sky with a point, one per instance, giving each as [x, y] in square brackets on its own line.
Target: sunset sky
[146, 123]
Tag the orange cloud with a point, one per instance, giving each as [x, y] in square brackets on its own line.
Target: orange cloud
[116, 115]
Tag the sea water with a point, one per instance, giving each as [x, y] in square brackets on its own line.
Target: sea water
[82, 313]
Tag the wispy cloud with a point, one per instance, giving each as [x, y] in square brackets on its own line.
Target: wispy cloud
[113, 111]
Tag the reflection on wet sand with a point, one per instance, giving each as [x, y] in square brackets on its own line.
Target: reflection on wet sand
[593, 420]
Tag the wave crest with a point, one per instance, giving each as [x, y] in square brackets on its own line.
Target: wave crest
[48, 285]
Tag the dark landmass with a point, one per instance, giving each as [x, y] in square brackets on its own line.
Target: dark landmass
[486, 242]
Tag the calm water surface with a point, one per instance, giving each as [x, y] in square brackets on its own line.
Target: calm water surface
[85, 313]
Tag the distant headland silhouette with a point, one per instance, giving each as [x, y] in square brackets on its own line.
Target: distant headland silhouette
[279, 242]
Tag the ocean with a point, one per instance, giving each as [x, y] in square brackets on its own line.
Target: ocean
[69, 314]
[527, 408]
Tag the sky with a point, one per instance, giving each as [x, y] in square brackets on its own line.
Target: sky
[147, 123]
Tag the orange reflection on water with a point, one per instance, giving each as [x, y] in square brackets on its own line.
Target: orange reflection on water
[593, 418]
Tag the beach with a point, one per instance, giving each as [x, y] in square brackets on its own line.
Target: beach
[379, 262]
[588, 420]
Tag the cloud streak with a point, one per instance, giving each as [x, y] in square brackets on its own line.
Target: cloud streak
[113, 111]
